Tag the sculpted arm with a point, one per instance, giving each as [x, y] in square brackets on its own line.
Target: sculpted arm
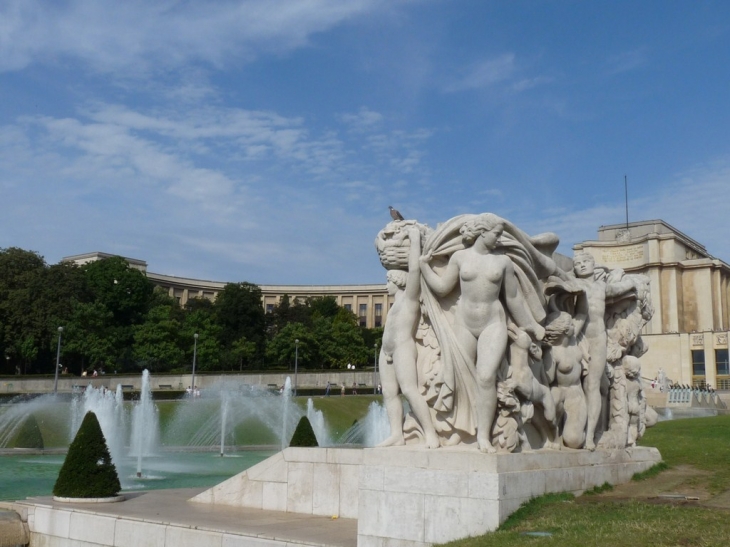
[413, 285]
[549, 363]
[621, 289]
[516, 303]
[581, 312]
[443, 284]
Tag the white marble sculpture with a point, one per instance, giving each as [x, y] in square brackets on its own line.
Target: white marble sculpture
[466, 342]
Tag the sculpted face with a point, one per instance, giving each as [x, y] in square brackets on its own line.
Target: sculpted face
[391, 287]
[583, 265]
[490, 237]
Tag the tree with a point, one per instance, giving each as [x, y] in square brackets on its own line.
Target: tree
[157, 339]
[123, 290]
[243, 350]
[238, 313]
[323, 306]
[282, 349]
[208, 346]
[89, 335]
[341, 343]
[284, 313]
[88, 470]
[20, 276]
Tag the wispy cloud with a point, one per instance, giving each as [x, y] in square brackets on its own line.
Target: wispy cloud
[363, 120]
[694, 202]
[627, 61]
[484, 74]
[137, 34]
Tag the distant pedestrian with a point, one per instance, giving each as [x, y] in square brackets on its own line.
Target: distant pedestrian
[327, 390]
[342, 391]
[354, 388]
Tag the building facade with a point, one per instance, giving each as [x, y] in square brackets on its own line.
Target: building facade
[688, 334]
[370, 303]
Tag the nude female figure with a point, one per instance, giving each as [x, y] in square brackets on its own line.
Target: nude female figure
[486, 280]
[566, 361]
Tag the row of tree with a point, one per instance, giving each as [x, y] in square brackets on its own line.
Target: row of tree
[115, 320]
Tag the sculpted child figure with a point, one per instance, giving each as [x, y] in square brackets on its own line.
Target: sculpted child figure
[635, 400]
[530, 381]
[398, 355]
[487, 283]
[593, 326]
[565, 362]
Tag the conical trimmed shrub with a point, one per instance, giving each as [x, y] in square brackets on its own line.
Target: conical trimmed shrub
[304, 434]
[88, 471]
[28, 435]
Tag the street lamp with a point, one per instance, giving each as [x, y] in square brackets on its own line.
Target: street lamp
[352, 368]
[296, 363]
[375, 368]
[195, 353]
[58, 360]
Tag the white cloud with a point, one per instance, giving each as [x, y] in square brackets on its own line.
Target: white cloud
[627, 61]
[484, 74]
[694, 202]
[135, 35]
[364, 120]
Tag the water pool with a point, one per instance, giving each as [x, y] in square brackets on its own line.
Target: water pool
[26, 475]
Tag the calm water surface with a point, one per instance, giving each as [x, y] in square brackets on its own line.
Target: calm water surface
[23, 476]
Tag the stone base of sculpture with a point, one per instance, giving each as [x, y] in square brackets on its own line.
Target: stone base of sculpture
[417, 497]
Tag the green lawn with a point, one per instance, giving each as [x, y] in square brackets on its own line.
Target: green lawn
[599, 519]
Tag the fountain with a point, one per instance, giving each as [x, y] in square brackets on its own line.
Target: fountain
[245, 423]
[371, 430]
[228, 411]
[145, 424]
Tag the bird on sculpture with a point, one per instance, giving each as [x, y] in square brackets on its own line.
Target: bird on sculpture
[394, 214]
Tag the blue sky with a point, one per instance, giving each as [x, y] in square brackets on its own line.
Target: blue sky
[263, 140]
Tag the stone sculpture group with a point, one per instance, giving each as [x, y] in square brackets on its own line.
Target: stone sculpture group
[492, 343]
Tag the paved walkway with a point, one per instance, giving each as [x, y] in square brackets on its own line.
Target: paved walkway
[171, 507]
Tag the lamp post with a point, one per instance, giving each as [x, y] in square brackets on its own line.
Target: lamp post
[352, 367]
[296, 364]
[375, 368]
[58, 361]
[195, 354]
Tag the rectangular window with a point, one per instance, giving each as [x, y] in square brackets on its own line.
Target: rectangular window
[269, 308]
[363, 315]
[378, 315]
[363, 309]
[723, 365]
[348, 307]
[698, 362]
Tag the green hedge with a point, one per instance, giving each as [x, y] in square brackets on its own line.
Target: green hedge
[304, 434]
[88, 471]
[28, 435]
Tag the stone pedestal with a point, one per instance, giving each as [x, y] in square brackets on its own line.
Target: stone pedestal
[413, 497]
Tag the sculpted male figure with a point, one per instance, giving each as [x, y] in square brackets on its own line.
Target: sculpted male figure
[398, 355]
[591, 321]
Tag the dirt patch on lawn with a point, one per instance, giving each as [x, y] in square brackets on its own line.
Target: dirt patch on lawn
[680, 485]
